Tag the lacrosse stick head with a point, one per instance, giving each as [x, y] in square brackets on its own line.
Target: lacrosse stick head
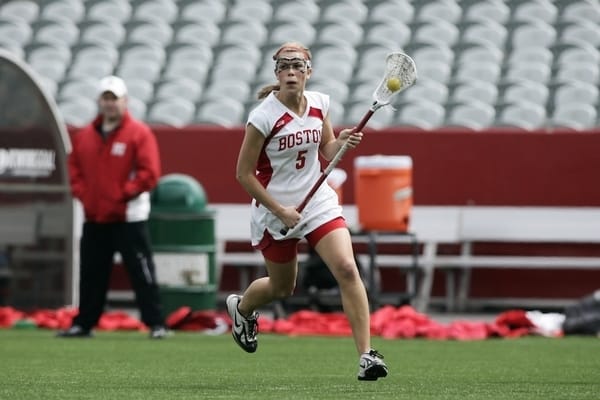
[400, 74]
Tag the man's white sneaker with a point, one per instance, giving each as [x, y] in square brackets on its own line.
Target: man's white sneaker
[371, 366]
[243, 330]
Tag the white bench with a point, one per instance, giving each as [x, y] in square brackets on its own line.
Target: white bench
[525, 225]
[460, 226]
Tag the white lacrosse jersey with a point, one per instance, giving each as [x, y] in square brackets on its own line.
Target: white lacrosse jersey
[289, 165]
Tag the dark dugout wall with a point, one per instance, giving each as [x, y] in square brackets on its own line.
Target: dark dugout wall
[36, 212]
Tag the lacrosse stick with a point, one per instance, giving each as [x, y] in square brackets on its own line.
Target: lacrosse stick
[400, 74]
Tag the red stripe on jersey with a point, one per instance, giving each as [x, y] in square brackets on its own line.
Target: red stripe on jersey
[264, 168]
[315, 112]
[281, 122]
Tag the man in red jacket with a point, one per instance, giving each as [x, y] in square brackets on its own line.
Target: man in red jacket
[114, 164]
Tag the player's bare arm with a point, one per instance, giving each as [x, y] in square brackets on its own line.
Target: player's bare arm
[330, 144]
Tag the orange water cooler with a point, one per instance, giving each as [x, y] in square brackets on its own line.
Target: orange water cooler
[383, 192]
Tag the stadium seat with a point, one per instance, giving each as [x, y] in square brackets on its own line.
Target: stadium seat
[433, 11]
[437, 71]
[326, 68]
[92, 51]
[237, 53]
[540, 55]
[533, 34]
[473, 53]
[297, 31]
[579, 53]
[194, 53]
[426, 53]
[15, 33]
[394, 11]
[524, 115]
[54, 69]
[582, 32]
[342, 11]
[577, 116]
[136, 107]
[176, 112]
[576, 93]
[481, 91]
[533, 92]
[224, 111]
[142, 69]
[13, 49]
[426, 89]
[211, 11]
[193, 70]
[58, 10]
[336, 112]
[103, 32]
[344, 53]
[581, 10]
[185, 88]
[535, 11]
[75, 88]
[141, 89]
[478, 71]
[161, 11]
[252, 33]
[39, 53]
[157, 33]
[192, 32]
[424, 115]
[484, 11]
[398, 33]
[233, 88]
[344, 32]
[581, 72]
[110, 11]
[91, 68]
[437, 32]
[369, 71]
[77, 111]
[362, 92]
[21, 11]
[293, 11]
[337, 90]
[531, 71]
[489, 33]
[383, 118]
[56, 32]
[137, 51]
[472, 115]
[259, 11]
[227, 70]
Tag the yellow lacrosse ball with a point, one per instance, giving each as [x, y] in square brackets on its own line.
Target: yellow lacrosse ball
[394, 84]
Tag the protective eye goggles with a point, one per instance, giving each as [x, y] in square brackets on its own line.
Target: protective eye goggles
[297, 64]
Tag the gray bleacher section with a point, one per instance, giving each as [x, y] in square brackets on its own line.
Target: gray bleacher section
[518, 63]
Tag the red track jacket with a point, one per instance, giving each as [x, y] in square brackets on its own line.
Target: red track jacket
[112, 177]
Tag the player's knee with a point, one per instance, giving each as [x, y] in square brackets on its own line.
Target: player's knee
[346, 272]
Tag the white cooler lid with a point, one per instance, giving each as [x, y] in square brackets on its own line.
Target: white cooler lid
[383, 162]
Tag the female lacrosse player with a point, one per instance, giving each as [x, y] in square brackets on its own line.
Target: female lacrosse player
[277, 164]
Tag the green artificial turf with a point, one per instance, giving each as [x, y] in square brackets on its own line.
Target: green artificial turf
[127, 365]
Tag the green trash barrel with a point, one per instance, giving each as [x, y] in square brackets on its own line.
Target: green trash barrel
[182, 230]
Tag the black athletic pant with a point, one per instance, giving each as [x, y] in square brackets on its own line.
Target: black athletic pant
[99, 242]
